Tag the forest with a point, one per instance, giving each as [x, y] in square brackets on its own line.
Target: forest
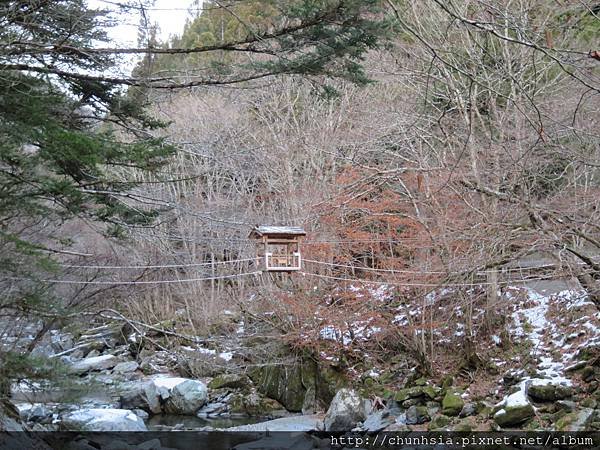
[440, 161]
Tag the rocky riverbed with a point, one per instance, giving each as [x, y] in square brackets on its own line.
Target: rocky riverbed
[127, 381]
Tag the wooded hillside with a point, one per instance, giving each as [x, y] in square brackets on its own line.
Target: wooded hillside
[443, 158]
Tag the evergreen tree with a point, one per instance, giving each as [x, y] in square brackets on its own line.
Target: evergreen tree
[59, 144]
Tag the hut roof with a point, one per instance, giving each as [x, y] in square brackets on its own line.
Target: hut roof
[269, 230]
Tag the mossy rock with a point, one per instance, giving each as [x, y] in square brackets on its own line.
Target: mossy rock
[452, 404]
[589, 402]
[251, 403]
[514, 415]
[416, 415]
[229, 380]
[415, 392]
[439, 422]
[420, 382]
[282, 383]
[412, 402]
[549, 392]
[588, 373]
[288, 383]
[534, 425]
[576, 421]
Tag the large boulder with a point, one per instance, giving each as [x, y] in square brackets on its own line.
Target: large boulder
[95, 363]
[284, 383]
[186, 397]
[514, 410]
[291, 383]
[102, 420]
[346, 409]
[141, 396]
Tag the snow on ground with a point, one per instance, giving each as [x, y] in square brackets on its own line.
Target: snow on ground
[357, 330]
[227, 356]
[437, 294]
[516, 399]
[541, 319]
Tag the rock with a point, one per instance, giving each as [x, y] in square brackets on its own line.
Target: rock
[452, 404]
[515, 409]
[589, 403]
[513, 377]
[229, 380]
[141, 413]
[394, 407]
[425, 392]
[141, 396]
[212, 409]
[470, 409]
[465, 425]
[439, 422]
[416, 415]
[158, 362]
[545, 391]
[126, 367]
[186, 398]
[10, 418]
[35, 412]
[397, 427]
[289, 383]
[378, 421]
[566, 405]
[96, 363]
[309, 405]
[588, 373]
[253, 403]
[576, 421]
[102, 420]
[12, 431]
[108, 335]
[346, 409]
[62, 341]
